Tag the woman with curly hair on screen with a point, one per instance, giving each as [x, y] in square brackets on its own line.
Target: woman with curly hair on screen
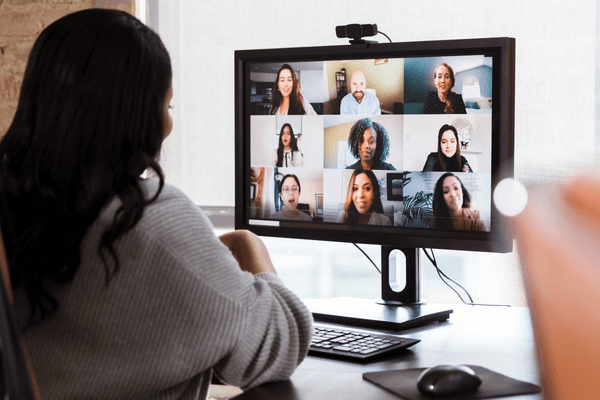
[369, 142]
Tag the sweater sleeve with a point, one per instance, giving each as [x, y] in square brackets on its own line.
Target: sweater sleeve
[255, 330]
[178, 306]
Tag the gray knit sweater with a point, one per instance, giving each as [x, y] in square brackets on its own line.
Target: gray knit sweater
[178, 308]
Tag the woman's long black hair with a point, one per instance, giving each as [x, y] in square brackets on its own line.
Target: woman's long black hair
[88, 123]
[293, 145]
[351, 214]
[453, 163]
[296, 100]
[440, 208]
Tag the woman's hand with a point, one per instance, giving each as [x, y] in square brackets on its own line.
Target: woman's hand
[249, 251]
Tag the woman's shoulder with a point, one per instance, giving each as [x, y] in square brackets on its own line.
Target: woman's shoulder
[385, 166]
[430, 162]
[172, 207]
[379, 219]
[356, 165]
[304, 217]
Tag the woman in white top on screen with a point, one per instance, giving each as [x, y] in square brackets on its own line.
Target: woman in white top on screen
[287, 99]
[290, 195]
[363, 201]
[287, 153]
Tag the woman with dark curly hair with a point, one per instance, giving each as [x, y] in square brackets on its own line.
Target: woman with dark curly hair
[363, 201]
[451, 206]
[121, 288]
[369, 142]
[287, 98]
[447, 157]
[444, 100]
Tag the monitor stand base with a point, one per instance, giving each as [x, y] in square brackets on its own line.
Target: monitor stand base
[365, 313]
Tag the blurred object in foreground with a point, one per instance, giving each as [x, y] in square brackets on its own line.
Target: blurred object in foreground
[558, 238]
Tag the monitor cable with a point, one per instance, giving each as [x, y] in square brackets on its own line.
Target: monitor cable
[442, 276]
[366, 255]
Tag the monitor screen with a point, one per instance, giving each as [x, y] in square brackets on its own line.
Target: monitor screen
[395, 144]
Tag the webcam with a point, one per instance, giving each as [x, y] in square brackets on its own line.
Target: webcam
[356, 32]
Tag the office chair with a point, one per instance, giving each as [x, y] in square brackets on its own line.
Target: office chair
[19, 381]
[558, 238]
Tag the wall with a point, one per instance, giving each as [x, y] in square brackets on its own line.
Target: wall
[21, 21]
[555, 55]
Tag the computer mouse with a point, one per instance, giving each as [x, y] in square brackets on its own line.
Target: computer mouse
[448, 380]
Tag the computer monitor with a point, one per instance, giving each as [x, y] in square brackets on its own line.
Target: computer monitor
[396, 144]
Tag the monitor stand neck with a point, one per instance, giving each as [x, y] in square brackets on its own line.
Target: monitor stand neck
[400, 307]
[398, 289]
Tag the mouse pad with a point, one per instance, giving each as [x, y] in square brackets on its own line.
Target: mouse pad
[404, 383]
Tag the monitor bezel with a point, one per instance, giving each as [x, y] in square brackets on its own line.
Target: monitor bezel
[497, 240]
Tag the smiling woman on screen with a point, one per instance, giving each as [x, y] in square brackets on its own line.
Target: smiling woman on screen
[363, 201]
[444, 100]
[452, 206]
[287, 98]
[448, 157]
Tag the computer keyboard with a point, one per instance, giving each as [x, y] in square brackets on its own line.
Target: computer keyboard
[351, 344]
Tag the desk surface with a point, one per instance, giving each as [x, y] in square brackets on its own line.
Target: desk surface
[498, 338]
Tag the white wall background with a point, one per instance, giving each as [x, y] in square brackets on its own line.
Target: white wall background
[555, 72]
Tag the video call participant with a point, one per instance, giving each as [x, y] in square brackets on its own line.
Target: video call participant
[444, 101]
[287, 153]
[451, 206]
[290, 195]
[121, 288]
[448, 157]
[363, 201]
[359, 101]
[287, 99]
[369, 142]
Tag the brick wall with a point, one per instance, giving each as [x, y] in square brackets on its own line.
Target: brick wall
[21, 21]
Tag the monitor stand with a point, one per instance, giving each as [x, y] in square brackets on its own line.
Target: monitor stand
[399, 308]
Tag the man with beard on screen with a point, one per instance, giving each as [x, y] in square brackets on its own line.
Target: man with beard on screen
[358, 101]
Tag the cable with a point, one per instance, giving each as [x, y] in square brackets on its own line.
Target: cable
[388, 38]
[442, 275]
[362, 251]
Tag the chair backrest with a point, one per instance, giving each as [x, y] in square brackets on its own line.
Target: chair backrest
[18, 375]
[558, 242]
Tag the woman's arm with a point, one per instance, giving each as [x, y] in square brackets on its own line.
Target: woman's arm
[249, 251]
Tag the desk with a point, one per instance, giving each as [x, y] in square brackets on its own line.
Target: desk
[498, 338]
